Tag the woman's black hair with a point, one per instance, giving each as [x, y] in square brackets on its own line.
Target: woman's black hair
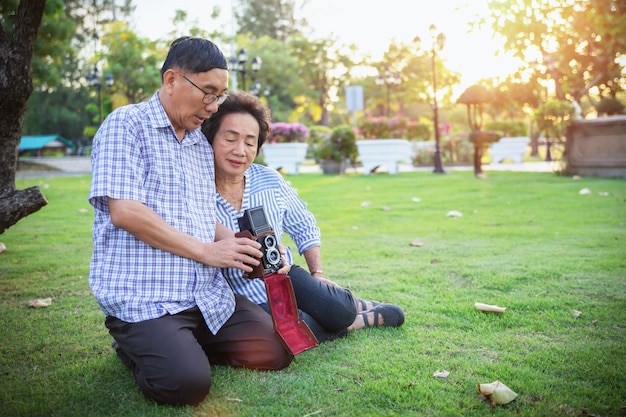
[245, 103]
[194, 55]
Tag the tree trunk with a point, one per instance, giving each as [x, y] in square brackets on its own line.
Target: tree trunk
[534, 143]
[16, 86]
[548, 149]
[19, 204]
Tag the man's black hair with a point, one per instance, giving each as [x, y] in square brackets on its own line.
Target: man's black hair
[194, 55]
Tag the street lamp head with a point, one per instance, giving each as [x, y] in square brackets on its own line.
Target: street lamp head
[233, 64]
[256, 63]
[433, 30]
[441, 40]
[93, 78]
[109, 80]
[417, 41]
[243, 56]
[256, 88]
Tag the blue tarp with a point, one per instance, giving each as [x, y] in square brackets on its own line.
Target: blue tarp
[28, 143]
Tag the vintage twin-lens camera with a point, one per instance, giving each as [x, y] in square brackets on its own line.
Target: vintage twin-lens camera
[254, 225]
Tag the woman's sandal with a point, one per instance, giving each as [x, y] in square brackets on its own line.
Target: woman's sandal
[363, 304]
[393, 316]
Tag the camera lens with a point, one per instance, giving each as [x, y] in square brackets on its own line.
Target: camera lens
[270, 241]
[273, 256]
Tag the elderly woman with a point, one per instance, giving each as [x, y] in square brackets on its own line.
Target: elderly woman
[237, 131]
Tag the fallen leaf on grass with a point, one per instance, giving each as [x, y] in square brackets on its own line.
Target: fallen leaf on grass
[586, 412]
[490, 308]
[417, 199]
[366, 204]
[237, 400]
[577, 313]
[441, 374]
[497, 393]
[576, 177]
[385, 208]
[603, 194]
[585, 191]
[3, 247]
[82, 210]
[434, 261]
[416, 242]
[40, 302]
[454, 213]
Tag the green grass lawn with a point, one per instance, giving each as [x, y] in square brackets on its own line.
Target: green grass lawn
[525, 241]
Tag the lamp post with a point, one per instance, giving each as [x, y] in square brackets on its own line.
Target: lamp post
[93, 80]
[388, 79]
[437, 44]
[239, 65]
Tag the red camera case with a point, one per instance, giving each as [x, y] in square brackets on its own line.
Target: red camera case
[294, 333]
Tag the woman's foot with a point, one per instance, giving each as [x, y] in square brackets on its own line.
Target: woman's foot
[364, 305]
[387, 315]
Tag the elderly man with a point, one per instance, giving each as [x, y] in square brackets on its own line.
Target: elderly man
[158, 249]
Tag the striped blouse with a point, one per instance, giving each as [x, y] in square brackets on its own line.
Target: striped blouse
[285, 211]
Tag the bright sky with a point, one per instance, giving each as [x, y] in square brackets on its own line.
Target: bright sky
[370, 24]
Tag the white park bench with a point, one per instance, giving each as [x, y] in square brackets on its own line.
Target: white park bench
[512, 148]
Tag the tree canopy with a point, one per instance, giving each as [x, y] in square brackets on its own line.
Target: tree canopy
[575, 43]
[273, 18]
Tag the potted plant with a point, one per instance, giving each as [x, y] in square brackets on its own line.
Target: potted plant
[334, 150]
[286, 147]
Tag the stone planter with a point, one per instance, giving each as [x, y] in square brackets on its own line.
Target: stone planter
[330, 166]
[597, 147]
[387, 153]
[285, 156]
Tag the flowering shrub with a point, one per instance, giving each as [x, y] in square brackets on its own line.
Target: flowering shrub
[318, 133]
[288, 132]
[398, 126]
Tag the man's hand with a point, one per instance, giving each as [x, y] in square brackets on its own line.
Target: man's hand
[233, 252]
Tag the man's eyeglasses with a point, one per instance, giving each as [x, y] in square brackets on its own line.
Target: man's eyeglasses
[209, 98]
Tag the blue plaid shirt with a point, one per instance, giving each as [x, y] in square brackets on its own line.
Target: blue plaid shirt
[285, 211]
[137, 156]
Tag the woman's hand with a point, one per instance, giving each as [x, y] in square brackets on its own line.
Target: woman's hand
[286, 267]
[319, 275]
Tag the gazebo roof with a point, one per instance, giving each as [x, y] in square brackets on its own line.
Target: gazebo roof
[28, 143]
